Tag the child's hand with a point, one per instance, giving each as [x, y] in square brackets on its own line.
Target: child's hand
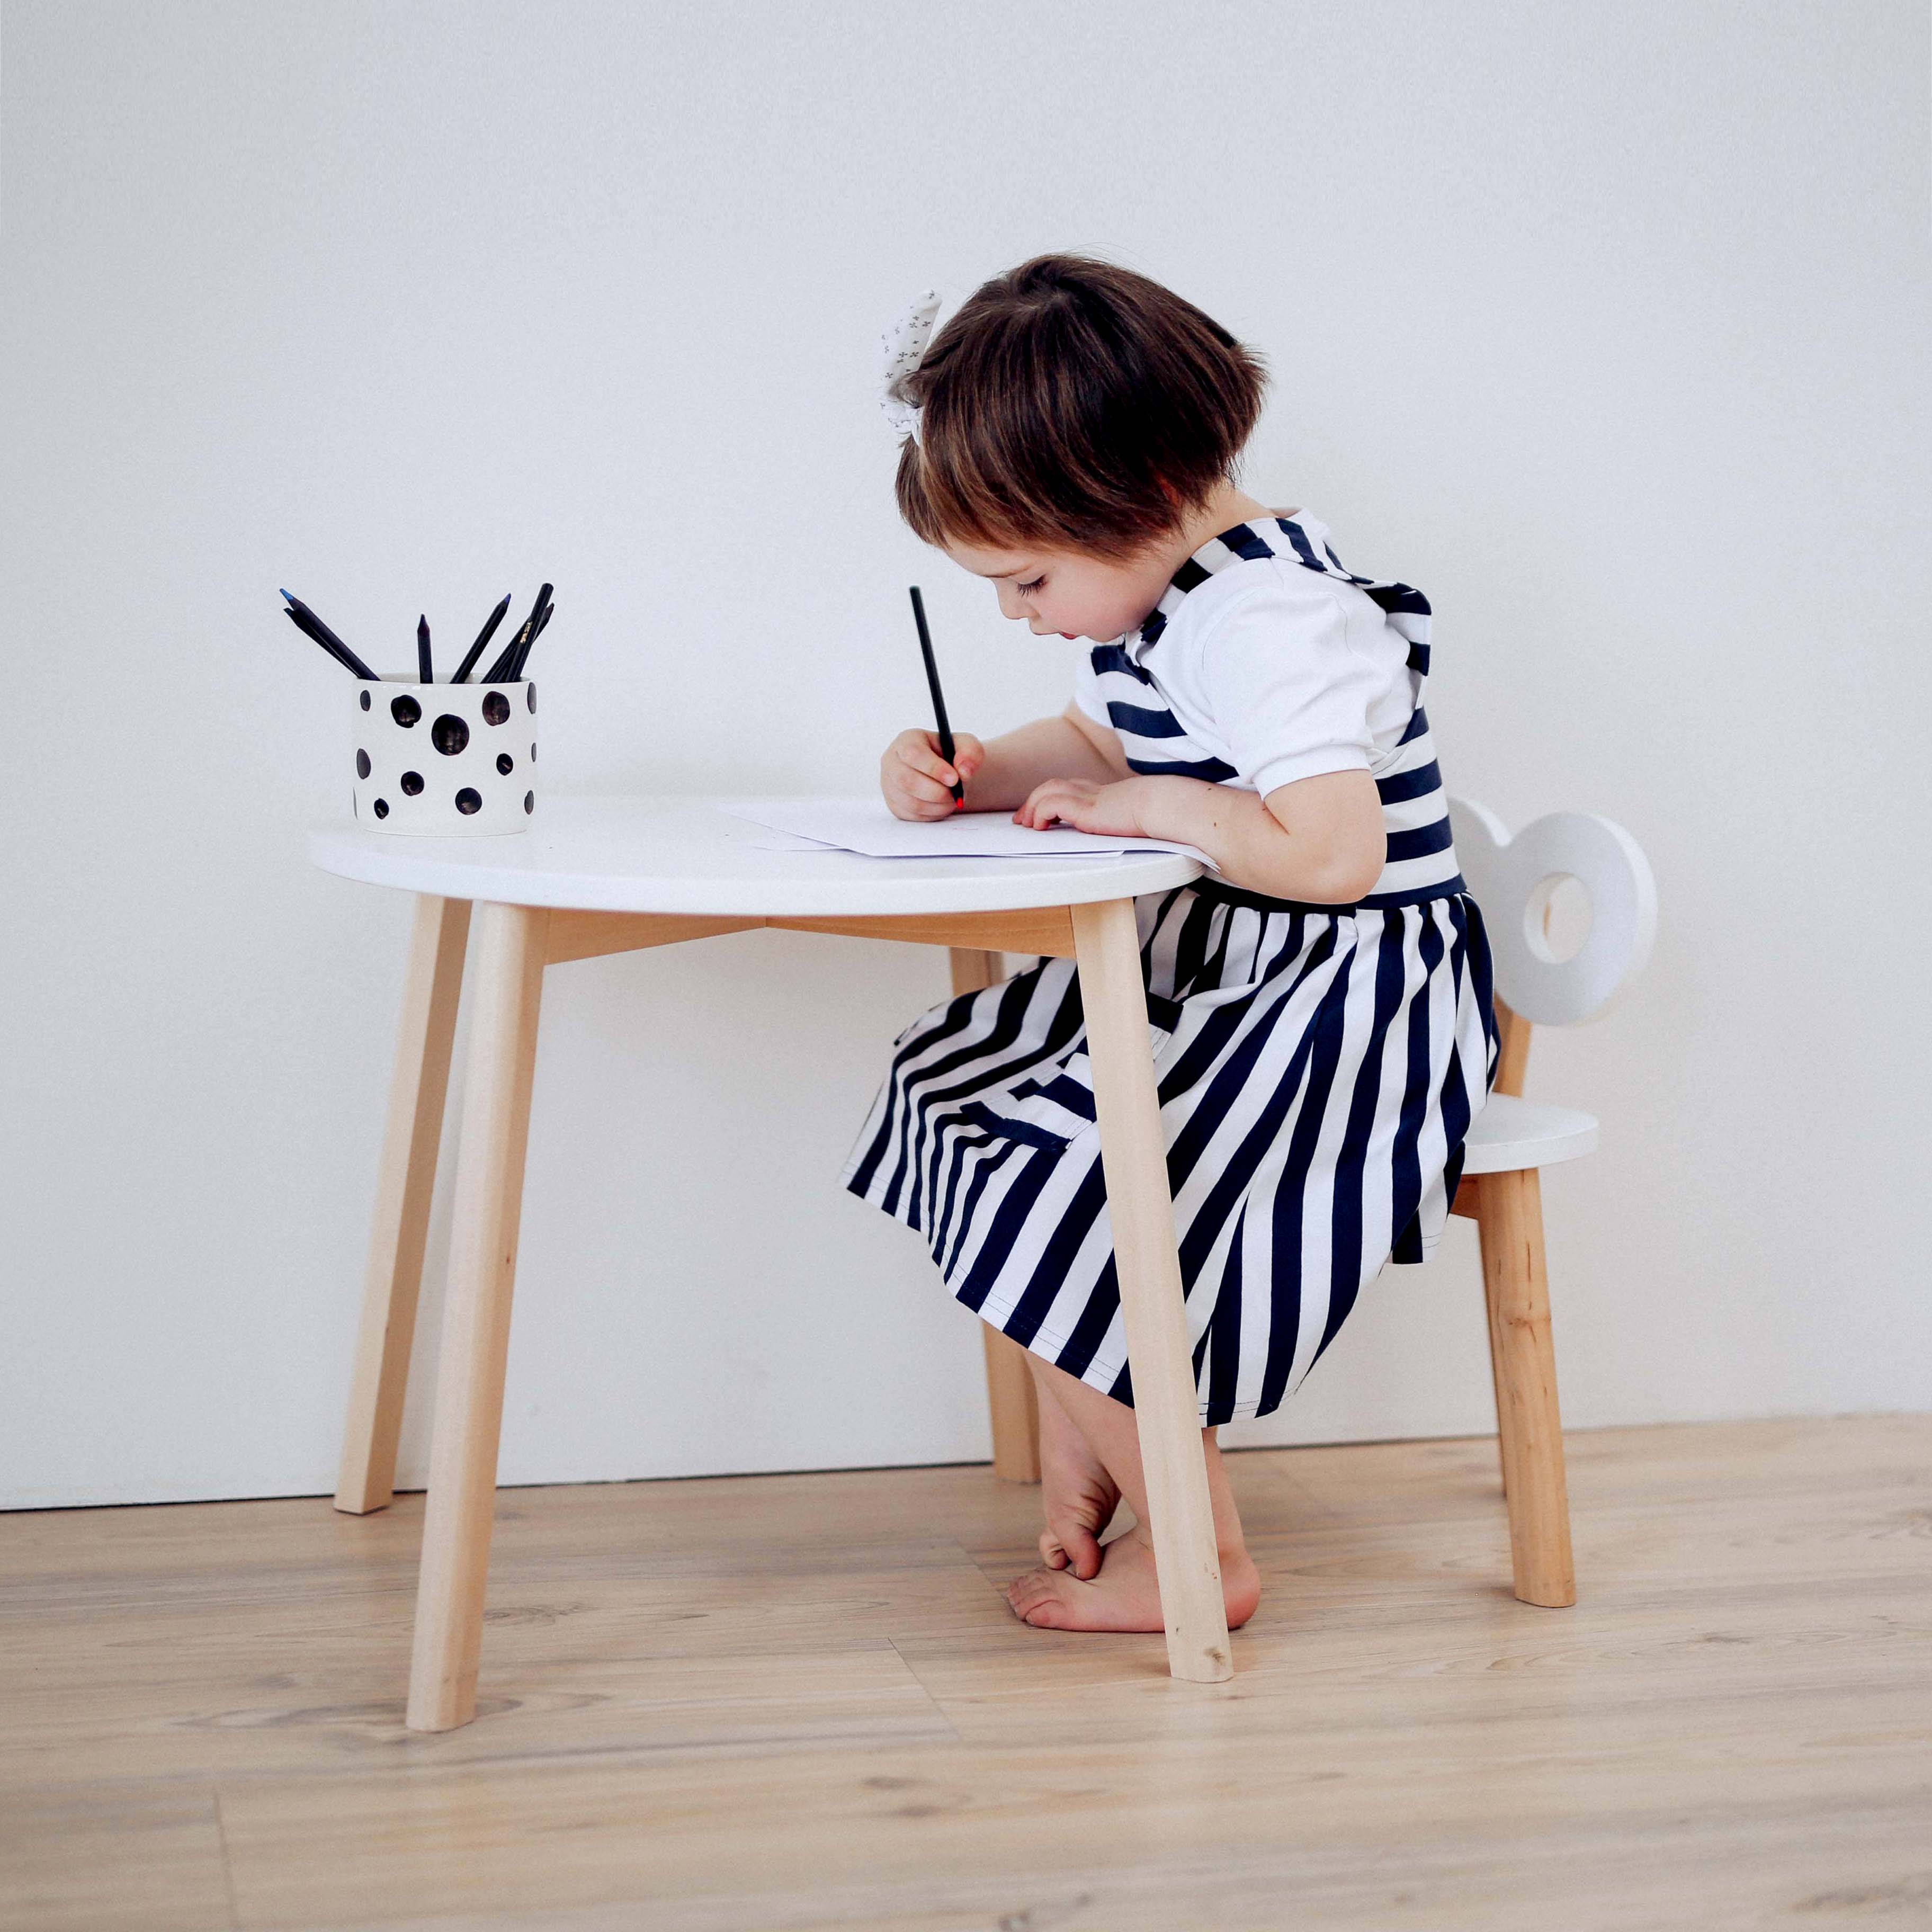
[918, 782]
[1112, 810]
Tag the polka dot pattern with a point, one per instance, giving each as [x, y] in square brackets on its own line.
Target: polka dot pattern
[433, 760]
[903, 346]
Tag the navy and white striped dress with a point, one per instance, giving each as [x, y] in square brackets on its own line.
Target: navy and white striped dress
[1319, 1067]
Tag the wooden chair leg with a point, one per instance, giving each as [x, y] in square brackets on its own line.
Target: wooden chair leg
[1509, 1217]
[972, 969]
[1152, 1307]
[1015, 1404]
[1496, 1387]
[404, 1183]
[1467, 1202]
[1011, 1396]
[506, 992]
[1512, 1067]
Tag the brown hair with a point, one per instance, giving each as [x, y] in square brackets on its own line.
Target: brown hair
[1076, 405]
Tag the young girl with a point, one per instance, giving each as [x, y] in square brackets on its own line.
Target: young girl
[1319, 1006]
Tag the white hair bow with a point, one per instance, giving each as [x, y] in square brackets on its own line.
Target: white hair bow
[905, 346]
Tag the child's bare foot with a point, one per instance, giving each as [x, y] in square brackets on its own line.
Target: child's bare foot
[1124, 1595]
[1079, 1495]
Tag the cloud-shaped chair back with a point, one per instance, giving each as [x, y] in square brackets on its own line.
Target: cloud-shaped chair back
[1513, 878]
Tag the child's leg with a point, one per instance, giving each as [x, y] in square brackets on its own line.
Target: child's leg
[1124, 1593]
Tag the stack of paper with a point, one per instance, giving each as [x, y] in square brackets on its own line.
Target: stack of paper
[864, 825]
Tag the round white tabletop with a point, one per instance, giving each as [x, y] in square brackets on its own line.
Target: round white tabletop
[682, 855]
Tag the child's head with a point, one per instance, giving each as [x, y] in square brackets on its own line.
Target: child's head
[1073, 417]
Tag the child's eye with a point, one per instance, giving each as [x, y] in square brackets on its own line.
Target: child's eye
[1027, 590]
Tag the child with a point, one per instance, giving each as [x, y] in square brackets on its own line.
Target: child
[1320, 1008]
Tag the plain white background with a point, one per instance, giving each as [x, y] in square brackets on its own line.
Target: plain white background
[1606, 327]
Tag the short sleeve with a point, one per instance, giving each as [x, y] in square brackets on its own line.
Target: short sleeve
[1290, 692]
[1087, 690]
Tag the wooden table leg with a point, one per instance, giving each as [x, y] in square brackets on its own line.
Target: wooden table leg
[1011, 1398]
[1134, 1159]
[404, 1183]
[506, 991]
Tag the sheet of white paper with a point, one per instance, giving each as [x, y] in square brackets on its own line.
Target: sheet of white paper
[864, 825]
[762, 838]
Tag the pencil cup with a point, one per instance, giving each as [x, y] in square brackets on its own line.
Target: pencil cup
[442, 760]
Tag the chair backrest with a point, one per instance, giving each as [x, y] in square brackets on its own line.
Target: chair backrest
[1512, 880]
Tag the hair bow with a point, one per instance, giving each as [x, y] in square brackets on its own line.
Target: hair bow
[905, 347]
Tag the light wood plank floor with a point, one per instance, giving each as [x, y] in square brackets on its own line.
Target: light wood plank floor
[800, 1702]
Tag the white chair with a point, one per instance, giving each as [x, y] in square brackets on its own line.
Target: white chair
[1514, 881]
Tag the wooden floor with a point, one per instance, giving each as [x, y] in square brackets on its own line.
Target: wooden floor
[800, 1702]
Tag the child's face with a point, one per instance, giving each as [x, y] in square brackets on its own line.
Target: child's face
[1077, 595]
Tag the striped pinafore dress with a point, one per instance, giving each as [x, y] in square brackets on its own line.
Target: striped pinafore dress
[1319, 1067]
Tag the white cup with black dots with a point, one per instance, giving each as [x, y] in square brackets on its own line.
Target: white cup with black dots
[443, 761]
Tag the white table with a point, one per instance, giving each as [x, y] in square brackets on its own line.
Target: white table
[613, 875]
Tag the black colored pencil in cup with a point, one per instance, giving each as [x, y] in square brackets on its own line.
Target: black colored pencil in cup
[324, 644]
[938, 696]
[523, 655]
[527, 643]
[310, 625]
[483, 638]
[425, 667]
[499, 673]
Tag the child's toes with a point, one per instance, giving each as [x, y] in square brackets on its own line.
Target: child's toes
[1035, 1598]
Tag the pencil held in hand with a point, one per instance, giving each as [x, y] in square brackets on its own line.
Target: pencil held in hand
[918, 783]
[946, 746]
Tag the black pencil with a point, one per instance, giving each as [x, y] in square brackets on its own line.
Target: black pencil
[530, 644]
[938, 696]
[499, 673]
[483, 638]
[313, 625]
[322, 642]
[425, 668]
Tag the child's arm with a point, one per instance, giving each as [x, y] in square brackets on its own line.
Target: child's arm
[1001, 774]
[1320, 840]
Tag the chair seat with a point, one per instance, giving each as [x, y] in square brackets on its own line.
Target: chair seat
[1510, 1134]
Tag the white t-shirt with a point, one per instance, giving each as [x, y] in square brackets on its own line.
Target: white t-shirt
[1278, 671]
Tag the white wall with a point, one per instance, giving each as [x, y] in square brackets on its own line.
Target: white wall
[1604, 326]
